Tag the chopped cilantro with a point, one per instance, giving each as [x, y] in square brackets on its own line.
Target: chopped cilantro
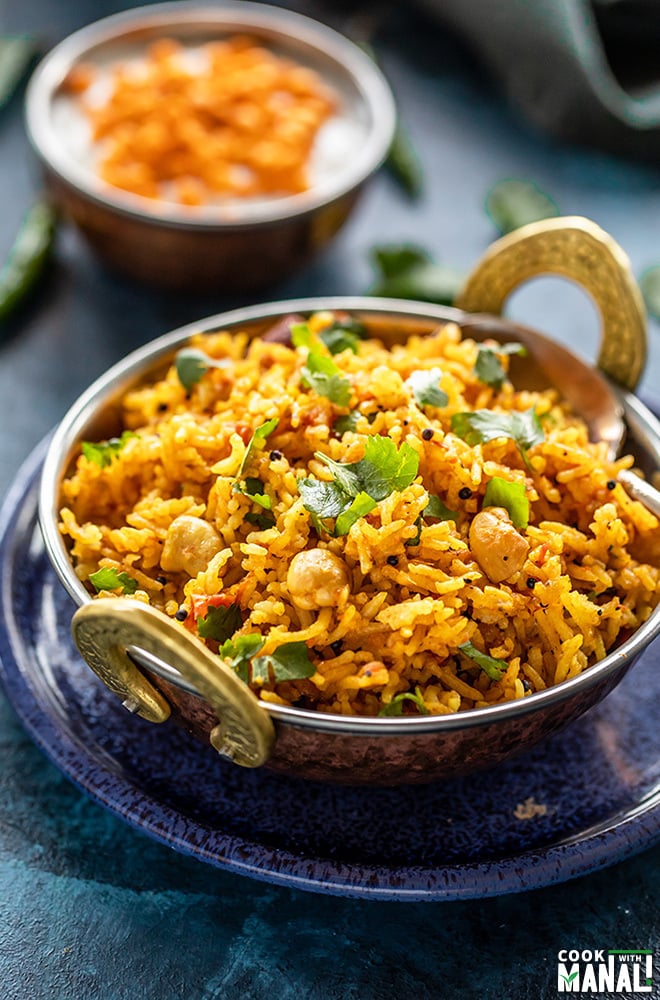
[239, 652]
[395, 707]
[302, 336]
[254, 489]
[347, 423]
[490, 666]
[425, 388]
[289, 662]
[102, 453]
[257, 441]
[489, 369]
[262, 521]
[343, 335]
[362, 504]
[192, 364]
[511, 496]
[384, 469]
[323, 376]
[220, 622]
[480, 426]
[108, 578]
[435, 508]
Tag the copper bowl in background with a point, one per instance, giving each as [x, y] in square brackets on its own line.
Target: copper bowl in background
[306, 743]
[240, 247]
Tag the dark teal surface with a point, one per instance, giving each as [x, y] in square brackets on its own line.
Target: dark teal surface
[88, 907]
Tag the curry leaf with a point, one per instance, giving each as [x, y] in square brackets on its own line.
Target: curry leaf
[220, 623]
[393, 260]
[492, 667]
[513, 203]
[423, 282]
[425, 389]
[289, 662]
[108, 578]
[102, 453]
[511, 496]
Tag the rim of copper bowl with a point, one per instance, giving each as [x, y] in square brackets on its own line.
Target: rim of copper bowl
[67, 435]
[348, 60]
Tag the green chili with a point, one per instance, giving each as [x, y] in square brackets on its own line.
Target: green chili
[27, 258]
[403, 163]
[402, 160]
[16, 54]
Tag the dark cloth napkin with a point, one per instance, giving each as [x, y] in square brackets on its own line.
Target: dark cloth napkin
[585, 70]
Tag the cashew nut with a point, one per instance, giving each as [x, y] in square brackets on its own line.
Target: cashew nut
[190, 544]
[317, 579]
[497, 546]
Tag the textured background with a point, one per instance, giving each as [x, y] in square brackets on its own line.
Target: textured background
[89, 908]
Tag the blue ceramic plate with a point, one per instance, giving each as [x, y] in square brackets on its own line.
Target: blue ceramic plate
[581, 801]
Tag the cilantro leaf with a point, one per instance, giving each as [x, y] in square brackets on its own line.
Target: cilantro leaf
[436, 508]
[323, 376]
[220, 622]
[254, 490]
[511, 496]
[383, 470]
[289, 662]
[395, 259]
[408, 272]
[302, 336]
[425, 388]
[480, 426]
[323, 499]
[262, 521]
[489, 369]
[102, 453]
[358, 486]
[343, 335]
[492, 667]
[512, 203]
[108, 578]
[192, 364]
[257, 441]
[239, 652]
[362, 504]
[347, 423]
[395, 707]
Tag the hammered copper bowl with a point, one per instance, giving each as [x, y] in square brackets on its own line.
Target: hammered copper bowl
[305, 743]
[237, 247]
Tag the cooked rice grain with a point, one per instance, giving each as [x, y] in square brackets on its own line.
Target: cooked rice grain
[414, 597]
